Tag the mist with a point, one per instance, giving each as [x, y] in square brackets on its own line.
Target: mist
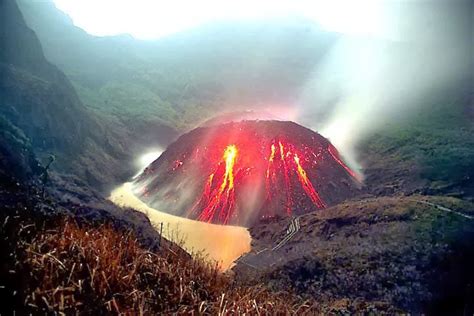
[146, 158]
[346, 70]
[364, 83]
[376, 67]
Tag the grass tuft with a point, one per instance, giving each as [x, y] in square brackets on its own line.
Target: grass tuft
[87, 268]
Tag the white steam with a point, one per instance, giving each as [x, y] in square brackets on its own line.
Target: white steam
[365, 83]
[146, 158]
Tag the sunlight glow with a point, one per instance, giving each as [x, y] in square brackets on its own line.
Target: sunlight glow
[147, 19]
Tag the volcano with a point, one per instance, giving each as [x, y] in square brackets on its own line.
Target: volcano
[241, 172]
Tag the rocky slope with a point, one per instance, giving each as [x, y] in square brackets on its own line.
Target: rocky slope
[398, 250]
[38, 100]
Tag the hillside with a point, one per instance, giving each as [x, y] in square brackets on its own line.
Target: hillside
[396, 250]
[39, 101]
[57, 258]
[431, 152]
[150, 88]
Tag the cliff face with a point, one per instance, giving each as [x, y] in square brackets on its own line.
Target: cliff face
[32, 89]
[39, 100]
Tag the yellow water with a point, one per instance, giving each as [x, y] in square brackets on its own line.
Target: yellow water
[220, 243]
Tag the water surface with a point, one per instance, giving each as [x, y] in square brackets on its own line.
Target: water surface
[223, 244]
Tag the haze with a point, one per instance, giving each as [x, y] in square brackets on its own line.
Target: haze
[387, 57]
[146, 19]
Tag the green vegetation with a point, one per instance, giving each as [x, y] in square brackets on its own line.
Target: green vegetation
[438, 141]
[140, 102]
[391, 251]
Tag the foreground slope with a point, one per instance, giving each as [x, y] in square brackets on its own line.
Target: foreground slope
[69, 258]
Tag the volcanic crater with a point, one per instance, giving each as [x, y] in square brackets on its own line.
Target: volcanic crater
[240, 172]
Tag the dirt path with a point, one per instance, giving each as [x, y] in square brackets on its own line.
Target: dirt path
[445, 209]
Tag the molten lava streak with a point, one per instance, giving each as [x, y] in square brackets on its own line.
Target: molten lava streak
[220, 200]
[335, 154]
[242, 172]
[223, 198]
[307, 186]
[287, 178]
[229, 156]
[289, 165]
[270, 174]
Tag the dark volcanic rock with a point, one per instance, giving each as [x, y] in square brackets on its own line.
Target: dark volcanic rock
[241, 172]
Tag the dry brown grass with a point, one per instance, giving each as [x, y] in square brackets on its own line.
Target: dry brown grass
[99, 269]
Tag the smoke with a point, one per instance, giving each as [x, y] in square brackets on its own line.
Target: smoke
[365, 83]
[146, 159]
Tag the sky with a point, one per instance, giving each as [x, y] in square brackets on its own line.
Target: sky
[152, 19]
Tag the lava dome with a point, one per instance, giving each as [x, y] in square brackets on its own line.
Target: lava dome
[240, 172]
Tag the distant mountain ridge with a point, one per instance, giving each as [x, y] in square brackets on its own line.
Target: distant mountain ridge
[183, 78]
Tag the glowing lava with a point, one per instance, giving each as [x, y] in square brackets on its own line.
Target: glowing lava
[222, 198]
[335, 154]
[287, 178]
[307, 186]
[237, 173]
[287, 168]
[270, 174]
